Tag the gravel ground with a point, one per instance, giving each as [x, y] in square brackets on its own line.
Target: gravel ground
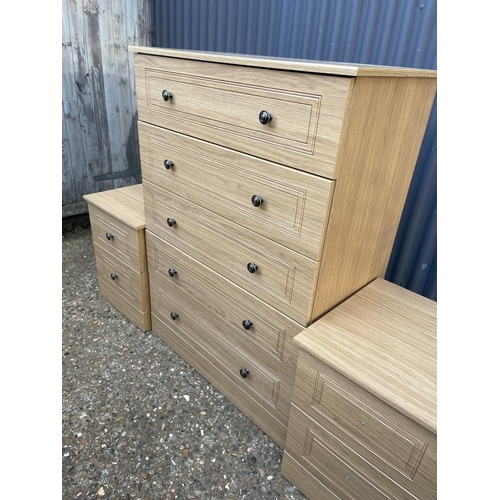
[137, 421]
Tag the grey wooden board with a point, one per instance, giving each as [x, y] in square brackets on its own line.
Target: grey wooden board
[99, 113]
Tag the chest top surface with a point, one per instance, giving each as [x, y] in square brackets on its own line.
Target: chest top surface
[384, 338]
[289, 64]
[126, 204]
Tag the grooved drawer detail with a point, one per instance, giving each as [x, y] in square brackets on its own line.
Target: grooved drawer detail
[367, 426]
[284, 203]
[224, 305]
[223, 181]
[275, 276]
[233, 108]
[325, 459]
[284, 278]
[122, 240]
[195, 324]
[221, 103]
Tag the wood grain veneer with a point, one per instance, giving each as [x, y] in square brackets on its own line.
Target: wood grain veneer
[118, 224]
[296, 204]
[227, 306]
[384, 339]
[338, 467]
[333, 167]
[285, 279]
[289, 64]
[363, 412]
[221, 104]
[387, 123]
[209, 367]
[128, 292]
[124, 204]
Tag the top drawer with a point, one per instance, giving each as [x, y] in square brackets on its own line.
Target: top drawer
[221, 103]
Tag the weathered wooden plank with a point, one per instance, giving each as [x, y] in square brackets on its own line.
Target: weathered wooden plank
[110, 101]
[73, 150]
[99, 130]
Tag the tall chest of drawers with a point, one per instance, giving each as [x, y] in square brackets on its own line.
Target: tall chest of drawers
[273, 191]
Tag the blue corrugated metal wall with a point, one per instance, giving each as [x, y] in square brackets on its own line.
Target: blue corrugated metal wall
[387, 32]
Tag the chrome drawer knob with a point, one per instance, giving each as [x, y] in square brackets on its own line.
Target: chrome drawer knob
[172, 272]
[168, 164]
[252, 267]
[109, 236]
[114, 276]
[244, 372]
[174, 316]
[247, 324]
[170, 221]
[257, 200]
[166, 95]
[265, 117]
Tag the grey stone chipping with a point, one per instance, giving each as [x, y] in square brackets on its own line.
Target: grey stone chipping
[138, 422]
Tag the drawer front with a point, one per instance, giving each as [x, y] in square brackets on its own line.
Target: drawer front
[223, 307]
[389, 440]
[222, 104]
[295, 205]
[284, 279]
[334, 464]
[192, 322]
[202, 361]
[117, 238]
[120, 277]
[128, 292]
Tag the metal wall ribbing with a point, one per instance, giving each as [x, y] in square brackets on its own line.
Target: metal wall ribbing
[386, 32]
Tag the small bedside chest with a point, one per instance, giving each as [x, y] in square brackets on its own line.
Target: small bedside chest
[118, 232]
[363, 418]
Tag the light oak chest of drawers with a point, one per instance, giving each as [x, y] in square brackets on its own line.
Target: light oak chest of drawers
[118, 232]
[273, 191]
[363, 419]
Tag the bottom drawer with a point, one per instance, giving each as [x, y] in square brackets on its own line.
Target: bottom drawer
[124, 288]
[331, 465]
[178, 335]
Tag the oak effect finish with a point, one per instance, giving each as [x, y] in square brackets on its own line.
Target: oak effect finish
[363, 414]
[118, 231]
[298, 210]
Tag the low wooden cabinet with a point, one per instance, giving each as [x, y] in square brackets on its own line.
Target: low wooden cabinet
[273, 190]
[118, 231]
[363, 418]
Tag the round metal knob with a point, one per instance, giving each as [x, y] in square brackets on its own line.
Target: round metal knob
[168, 164]
[174, 315]
[247, 324]
[252, 267]
[257, 200]
[166, 95]
[172, 272]
[114, 276]
[109, 236]
[265, 117]
[244, 372]
[170, 221]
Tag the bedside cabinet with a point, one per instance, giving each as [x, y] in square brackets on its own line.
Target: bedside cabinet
[118, 232]
[363, 417]
[273, 190]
